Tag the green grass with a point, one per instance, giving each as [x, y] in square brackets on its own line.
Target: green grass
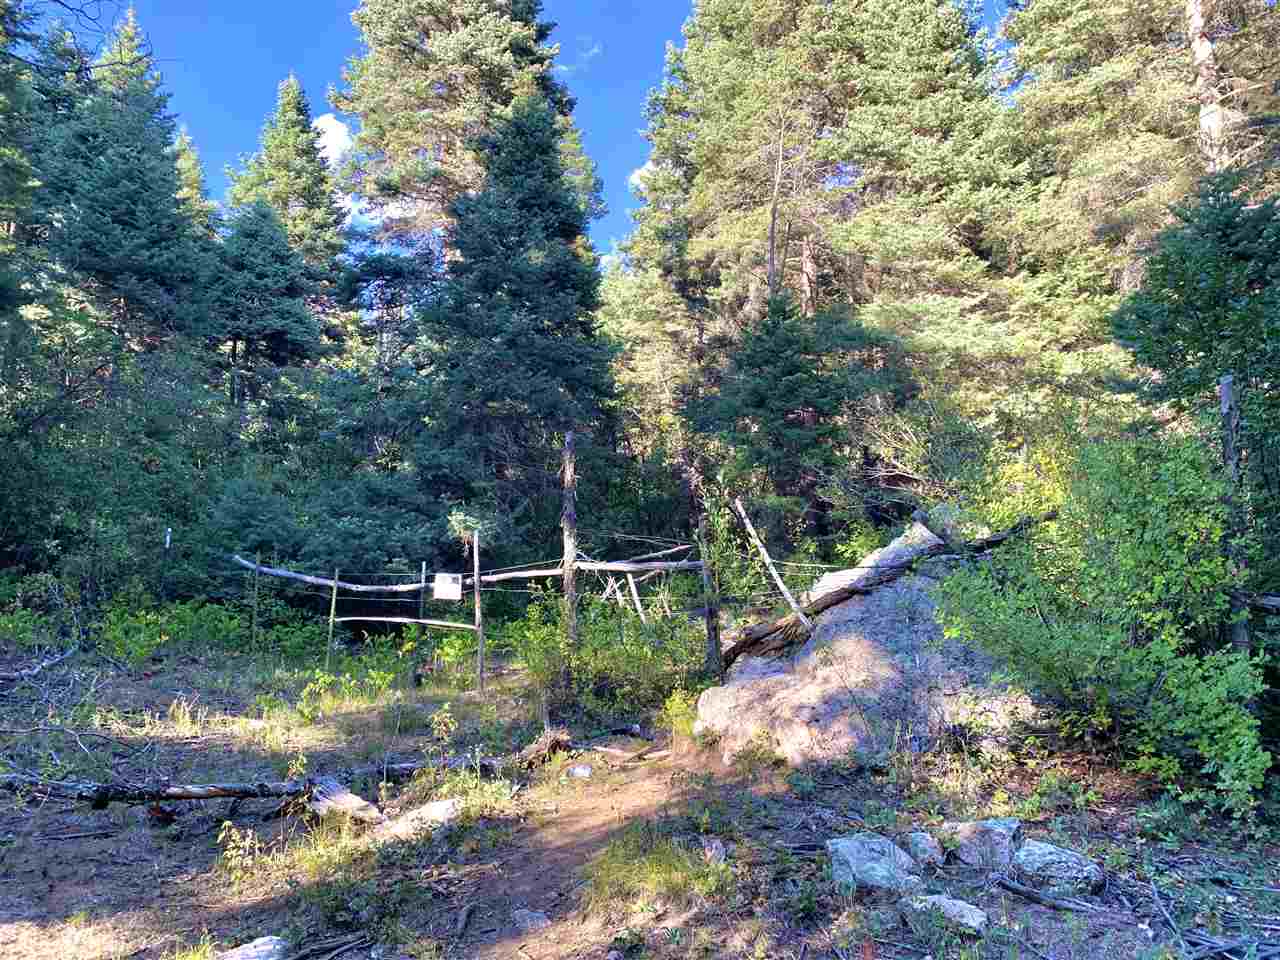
[642, 865]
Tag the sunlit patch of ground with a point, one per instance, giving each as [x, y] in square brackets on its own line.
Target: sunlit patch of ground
[623, 860]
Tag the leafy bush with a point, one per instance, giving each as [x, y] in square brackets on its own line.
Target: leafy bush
[132, 635]
[620, 664]
[1116, 611]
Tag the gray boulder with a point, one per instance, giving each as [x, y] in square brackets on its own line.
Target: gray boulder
[874, 862]
[921, 913]
[924, 849]
[1057, 870]
[874, 666]
[986, 844]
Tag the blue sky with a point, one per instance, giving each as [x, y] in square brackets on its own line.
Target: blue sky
[222, 61]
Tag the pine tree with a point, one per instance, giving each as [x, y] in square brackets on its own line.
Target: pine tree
[290, 174]
[258, 303]
[191, 192]
[436, 74]
[520, 360]
[109, 200]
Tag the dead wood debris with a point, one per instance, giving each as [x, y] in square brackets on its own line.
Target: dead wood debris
[544, 748]
[775, 636]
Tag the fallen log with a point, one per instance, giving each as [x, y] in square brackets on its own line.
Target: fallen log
[776, 635]
[323, 794]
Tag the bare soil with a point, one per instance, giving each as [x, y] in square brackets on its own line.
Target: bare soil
[144, 883]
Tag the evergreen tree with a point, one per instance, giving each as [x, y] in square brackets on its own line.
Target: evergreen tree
[435, 74]
[191, 191]
[109, 199]
[290, 174]
[520, 361]
[786, 407]
[258, 303]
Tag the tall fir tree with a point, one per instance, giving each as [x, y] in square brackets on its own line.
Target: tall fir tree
[435, 75]
[258, 303]
[109, 199]
[289, 173]
[520, 360]
[191, 191]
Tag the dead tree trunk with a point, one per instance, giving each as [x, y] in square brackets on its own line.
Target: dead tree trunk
[776, 635]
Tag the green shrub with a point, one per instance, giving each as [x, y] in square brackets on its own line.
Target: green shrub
[1116, 613]
[132, 635]
[679, 713]
[620, 664]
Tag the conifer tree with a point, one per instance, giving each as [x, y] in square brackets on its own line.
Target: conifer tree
[437, 73]
[290, 174]
[520, 361]
[191, 191]
[258, 302]
[109, 198]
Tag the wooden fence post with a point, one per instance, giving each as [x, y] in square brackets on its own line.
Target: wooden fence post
[1231, 460]
[569, 526]
[475, 570]
[711, 601]
[635, 597]
[333, 612]
[422, 594]
[768, 562]
[253, 629]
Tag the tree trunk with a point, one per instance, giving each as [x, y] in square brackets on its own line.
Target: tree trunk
[1212, 120]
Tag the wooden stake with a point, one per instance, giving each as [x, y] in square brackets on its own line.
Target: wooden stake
[711, 603]
[1231, 460]
[253, 630]
[333, 612]
[635, 595]
[768, 562]
[422, 594]
[569, 563]
[475, 569]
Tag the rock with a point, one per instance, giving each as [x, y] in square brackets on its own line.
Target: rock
[420, 820]
[1058, 871]
[925, 850]
[264, 948]
[874, 666]
[870, 860]
[530, 920]
[987, 844]
[580, 771]
[713, 850]
[614, 955]
[921, 913]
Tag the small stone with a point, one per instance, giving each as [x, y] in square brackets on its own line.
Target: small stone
[987, 844]
[713, 850]
[264, 948]
[580, 772]
[870, 860]
[1059, 871]
[614, 955]
[530, 920]
[922, 912]
[925, 849]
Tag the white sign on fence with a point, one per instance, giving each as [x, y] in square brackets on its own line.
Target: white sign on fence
[447, 586]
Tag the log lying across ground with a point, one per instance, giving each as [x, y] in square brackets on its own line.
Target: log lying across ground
[763, 639]
[322, 794]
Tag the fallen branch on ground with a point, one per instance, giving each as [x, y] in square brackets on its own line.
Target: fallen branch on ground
[323, 794]
[775, 636]
[34, 671]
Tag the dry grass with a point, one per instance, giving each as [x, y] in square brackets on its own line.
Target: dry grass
[615, 861]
